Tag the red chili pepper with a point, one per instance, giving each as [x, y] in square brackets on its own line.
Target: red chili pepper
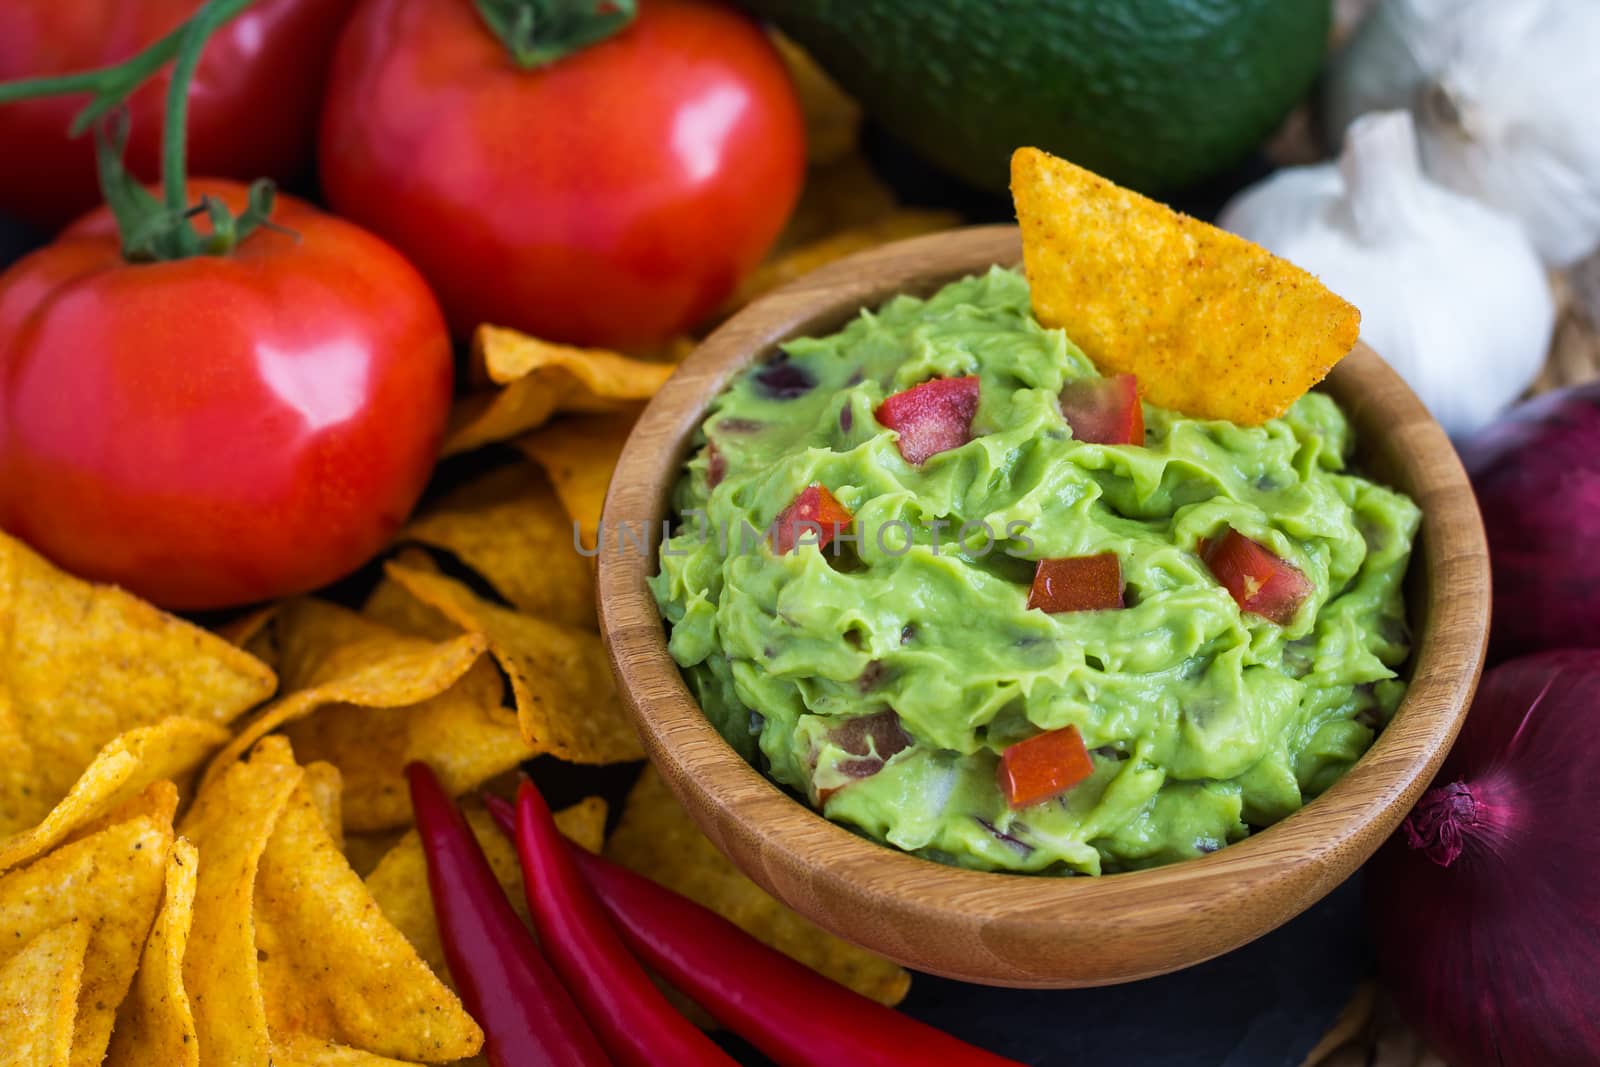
[792, 1014]
[528, 1019]
[637, 1025]
[1044, 766]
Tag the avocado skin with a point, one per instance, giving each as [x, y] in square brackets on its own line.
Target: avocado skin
[1154, 94]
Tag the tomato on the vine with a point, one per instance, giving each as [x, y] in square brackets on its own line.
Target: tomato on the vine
[254, 101]
[612, 194]
[218, 429]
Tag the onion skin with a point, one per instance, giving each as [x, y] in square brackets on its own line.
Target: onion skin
[1485, 907]
[1537, 476]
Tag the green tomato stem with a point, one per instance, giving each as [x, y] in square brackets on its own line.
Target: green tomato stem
[152, 229]
[539, 32]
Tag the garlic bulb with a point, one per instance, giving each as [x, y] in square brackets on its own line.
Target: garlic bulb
[1451, 292]
[1503, 93]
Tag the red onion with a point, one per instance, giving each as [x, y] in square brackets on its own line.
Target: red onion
[1537, 474]
[1485, 907]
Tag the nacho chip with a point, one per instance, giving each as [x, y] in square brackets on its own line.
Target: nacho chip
[364, 850]
[111, 882]
[332, 966]
[230, 824]
[242, 630]
[81, 665]
[578, 455]
[657, 839]
[1211, 324]
[567, 703]
[155, 1027]
[158, 801]
[894, 226]
[833, 118]
[39, 997]
[330, 656]
[540, 379]
[465, 732]
[399, 883]
[509, 527]
[121, 771]
[323, 784]
[391, 605]
[302, 1050]
[293, 956]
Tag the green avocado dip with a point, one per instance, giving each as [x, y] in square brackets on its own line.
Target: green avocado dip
[885, 675]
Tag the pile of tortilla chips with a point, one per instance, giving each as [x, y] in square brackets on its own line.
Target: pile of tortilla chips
[206, 853]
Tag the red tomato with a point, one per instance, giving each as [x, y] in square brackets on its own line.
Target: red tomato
[252, 113]
[614, 197]
[1256, 578]
[930, 418]
[1104, 411]
[1043, 767]
[218, 430]
[1077, 583]
[814, 512]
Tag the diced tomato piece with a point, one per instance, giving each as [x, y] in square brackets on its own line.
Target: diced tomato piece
[933, 417]
[1258, 580]
[1043, 767]
[813, 511]
[1077, 583]
[1104, 411]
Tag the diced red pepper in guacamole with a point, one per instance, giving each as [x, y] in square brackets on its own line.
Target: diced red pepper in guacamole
[933, 417]
[814, 511]
[1104, 411]
[1077, 583]
[1043, 767]
[1258, 580]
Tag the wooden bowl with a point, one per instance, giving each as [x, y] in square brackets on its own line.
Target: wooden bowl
[1032, 930]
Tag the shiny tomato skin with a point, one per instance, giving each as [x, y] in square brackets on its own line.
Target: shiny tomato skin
[218, 430]
[253, 109]
[614, 197]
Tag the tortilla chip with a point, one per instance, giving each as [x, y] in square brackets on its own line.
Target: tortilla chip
[329, 655]
[1212, 325]
[230, 823]
[657, 839]
[292, 954]
[302, 1050]
[323, 784]
[111, 882]
[123, 769]
[243, 629]
[364, 850]
[540, 379]
[81, 665]
[332, 966]
[509, 527]
[895, 226]
[391, 605]
[399, 883]
[155, 1027]
[39, 997]
[567, 703]
[465, 732]
[158, 801]
[578, 455]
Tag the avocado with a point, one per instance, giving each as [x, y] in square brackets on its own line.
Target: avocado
[1153, 94]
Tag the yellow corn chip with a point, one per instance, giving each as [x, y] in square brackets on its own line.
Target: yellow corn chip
[302, 1050]
[290, 954]
[242, 631]
[110, 882]
[509, 526]
[391, 605]
[364, 850]
[39, 997]
[567, 703]
[158, 801]
[81, 665]
[122, 770]
[332, 966]
[1211, 324]
[895, 226]
[323, 785]
[399, 883]
[465, 732]
[329, 656]
[657, 839]
[540, 379]
[230, 823]
[578, 455]
[155, 1027]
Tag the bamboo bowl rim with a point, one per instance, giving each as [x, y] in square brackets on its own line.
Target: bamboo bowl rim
[1017, 929]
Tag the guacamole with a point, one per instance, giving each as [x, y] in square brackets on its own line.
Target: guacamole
[885, 675]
